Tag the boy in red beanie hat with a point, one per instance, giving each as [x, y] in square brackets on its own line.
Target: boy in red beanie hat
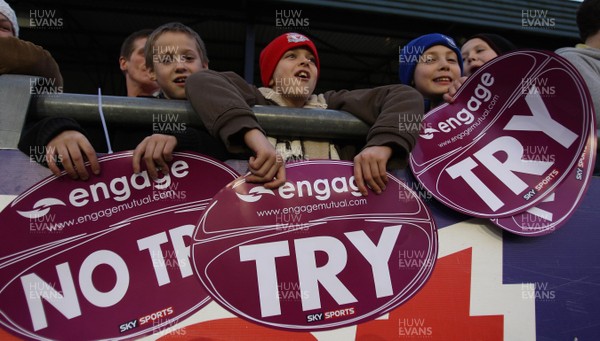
[289, 67]
[289, 72]
[272, 53]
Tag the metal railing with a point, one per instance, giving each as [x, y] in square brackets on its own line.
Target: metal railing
[18, 102]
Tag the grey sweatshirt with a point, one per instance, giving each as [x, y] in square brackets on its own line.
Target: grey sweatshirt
[587, 61]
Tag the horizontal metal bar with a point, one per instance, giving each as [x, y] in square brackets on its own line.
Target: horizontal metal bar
[277, 121]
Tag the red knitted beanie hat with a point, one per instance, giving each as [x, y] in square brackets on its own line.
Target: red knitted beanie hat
[272, 53]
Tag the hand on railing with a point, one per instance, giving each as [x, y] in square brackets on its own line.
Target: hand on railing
[71, 149]
[266, 166]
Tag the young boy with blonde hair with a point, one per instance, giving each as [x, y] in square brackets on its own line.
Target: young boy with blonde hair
[173, 52]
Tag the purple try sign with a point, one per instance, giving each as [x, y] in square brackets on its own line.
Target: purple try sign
[552, 212]
[314, 254]
[516, 129]
[107, 258]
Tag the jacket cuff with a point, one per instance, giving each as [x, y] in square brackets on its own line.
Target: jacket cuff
[51, 127]
[232, 134]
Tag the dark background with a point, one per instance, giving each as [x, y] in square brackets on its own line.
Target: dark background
[358, 41]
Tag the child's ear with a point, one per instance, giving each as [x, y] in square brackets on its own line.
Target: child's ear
[152, 75]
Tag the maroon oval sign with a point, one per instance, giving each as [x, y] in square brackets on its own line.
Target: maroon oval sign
[556, 208]
[107, 258]
[515, 131]
[314, 254]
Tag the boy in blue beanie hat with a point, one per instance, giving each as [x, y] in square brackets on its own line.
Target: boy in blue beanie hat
[430, 63]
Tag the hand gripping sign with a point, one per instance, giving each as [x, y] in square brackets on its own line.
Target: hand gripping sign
[107, 258]
[314, 254]
[516, 129]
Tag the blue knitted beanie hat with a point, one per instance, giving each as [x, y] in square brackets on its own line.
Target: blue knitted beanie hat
[411, 52]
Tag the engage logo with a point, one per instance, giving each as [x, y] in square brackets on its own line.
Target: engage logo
[254, 194]
[120, 188]
[321, 189]
[428, 133]
[41, 208]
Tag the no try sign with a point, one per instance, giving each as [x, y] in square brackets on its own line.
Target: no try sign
[107, 258]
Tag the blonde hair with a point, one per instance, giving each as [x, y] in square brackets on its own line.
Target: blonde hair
[173, 27]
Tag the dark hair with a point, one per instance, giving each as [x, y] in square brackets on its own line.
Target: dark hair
[588, 18]
[173, 27]
[127, 46]
[496, 42]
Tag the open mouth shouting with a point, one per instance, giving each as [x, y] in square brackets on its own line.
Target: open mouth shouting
[302, 74]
